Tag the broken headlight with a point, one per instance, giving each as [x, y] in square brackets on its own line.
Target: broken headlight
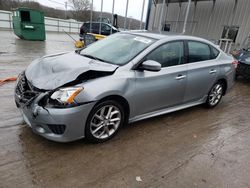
[66, 95]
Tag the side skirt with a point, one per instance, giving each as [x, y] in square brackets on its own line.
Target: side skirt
[165, 111]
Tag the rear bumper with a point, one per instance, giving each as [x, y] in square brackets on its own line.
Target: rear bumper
[230, 80]
[48, 122]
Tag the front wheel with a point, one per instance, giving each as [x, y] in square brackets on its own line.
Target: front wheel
[104, 121]
[215, 95]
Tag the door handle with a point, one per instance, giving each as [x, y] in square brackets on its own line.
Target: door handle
[212, 71]
[180, 77]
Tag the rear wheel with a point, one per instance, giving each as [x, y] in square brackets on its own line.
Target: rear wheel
[215, 95]
[104, 121]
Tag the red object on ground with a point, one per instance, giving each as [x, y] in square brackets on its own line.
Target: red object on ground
[10, 79]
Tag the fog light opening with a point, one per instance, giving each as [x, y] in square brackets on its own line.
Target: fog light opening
[40, 130]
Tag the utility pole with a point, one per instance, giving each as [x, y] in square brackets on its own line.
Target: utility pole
[126, 13]
[130, 20]
[66, 9]
[100, 27]
[148, 13]
[142, 14]
[91, 16]
[112, 22]
[186, 17]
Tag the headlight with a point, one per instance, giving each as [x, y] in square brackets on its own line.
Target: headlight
[66, 95]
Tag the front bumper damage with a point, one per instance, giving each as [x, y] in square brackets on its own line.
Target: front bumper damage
[57, 124]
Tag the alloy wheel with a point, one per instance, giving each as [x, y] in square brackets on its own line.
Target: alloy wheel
[215, 94]
[105, 122]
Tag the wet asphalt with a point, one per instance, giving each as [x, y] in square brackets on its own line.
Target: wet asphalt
[196, 147]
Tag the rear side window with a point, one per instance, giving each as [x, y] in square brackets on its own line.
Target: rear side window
[95, 26]
[198, 52]
[169, 54]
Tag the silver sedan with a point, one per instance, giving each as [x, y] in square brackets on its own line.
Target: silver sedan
[126, 77]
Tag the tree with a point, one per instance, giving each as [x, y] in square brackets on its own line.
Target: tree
[81, 9]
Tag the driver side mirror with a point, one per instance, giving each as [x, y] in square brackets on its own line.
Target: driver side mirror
[150, 65]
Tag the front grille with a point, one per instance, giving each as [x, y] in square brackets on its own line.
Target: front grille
[23, 90]
[57, 129]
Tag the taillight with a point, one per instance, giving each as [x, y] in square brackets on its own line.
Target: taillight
[235, 63]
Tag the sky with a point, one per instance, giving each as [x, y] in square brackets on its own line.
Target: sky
[134, 6]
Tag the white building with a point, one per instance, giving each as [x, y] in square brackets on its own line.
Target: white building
[210, 19]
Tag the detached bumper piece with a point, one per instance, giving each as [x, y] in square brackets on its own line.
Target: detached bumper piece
[243, 70]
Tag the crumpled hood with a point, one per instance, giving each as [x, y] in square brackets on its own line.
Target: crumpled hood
[51, 72]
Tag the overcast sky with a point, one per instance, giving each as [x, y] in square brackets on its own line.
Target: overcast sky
[134, 7]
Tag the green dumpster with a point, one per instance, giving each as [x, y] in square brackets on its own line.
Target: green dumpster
[28, 24]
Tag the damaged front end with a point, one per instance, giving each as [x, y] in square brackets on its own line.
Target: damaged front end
[61, 97]
[25, 93]
[46, 94]
[49, 116]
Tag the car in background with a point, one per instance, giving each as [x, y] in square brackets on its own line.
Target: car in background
[94, 27]
[243, 58]
[125, 77]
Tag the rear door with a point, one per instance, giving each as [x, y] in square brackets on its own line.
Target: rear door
[95, 28]
[202, 70]
[163, 89]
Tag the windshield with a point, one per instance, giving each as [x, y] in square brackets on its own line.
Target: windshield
[118, 48]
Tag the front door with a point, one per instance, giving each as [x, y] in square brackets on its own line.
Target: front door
[163, 89]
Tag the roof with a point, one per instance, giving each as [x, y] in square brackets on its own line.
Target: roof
[153, 34]
[97, 22]
[176, 1]
[157, 35]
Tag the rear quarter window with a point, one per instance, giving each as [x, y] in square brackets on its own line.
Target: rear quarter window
[214, 52]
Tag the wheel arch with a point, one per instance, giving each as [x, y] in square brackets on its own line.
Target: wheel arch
[121, 100]
[224, 82]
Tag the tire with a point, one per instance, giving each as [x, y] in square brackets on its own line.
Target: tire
[215, 95]
[104, 121]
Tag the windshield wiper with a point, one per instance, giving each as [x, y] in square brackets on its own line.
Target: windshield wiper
[93, 57]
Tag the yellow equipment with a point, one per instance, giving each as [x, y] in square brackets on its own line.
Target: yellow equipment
[95, 37]
[79, 44]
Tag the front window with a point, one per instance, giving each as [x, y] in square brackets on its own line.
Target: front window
[169, 54]
[117, 49]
